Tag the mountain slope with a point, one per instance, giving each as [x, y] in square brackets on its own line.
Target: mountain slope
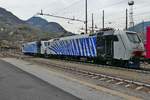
[8, 18]
[14, 29]
[37, 21]
[46, 26]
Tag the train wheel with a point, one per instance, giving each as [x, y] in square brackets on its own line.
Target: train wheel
[148, 61]
[46, 55]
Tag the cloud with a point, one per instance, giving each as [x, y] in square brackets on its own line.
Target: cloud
[114, 10]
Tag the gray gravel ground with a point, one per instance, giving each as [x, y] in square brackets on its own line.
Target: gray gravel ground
[18, 85]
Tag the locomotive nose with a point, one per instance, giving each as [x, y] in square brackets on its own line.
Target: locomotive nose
[138, 53]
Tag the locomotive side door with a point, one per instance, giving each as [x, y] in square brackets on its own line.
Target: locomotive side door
[108, 47]
[105, 46]
[100, 45]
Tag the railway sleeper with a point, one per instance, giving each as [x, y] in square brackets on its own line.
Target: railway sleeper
[139, 88]
[110, 81]
[119, 83]
[128, 85]
[128, 81]
[95, 77]
[102, 79]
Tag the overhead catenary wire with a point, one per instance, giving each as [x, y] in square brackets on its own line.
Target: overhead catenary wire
[107, 6]
[77, 2]
[138, 17]
[74, 3]
[73, 19]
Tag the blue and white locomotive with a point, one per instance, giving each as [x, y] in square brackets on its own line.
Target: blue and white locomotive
[112, 47]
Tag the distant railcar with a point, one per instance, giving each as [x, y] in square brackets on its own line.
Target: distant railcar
[31, 48]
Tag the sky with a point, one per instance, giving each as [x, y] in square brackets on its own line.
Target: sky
[114, 11]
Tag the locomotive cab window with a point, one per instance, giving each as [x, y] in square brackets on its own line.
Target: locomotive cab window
[111, 37]
[133, 37]
[46, 43]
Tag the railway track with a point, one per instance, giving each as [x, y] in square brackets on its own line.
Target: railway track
[125, 83]
[136, 85]
[141, 70]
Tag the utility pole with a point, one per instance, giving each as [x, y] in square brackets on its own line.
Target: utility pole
[143, 26]
[126, 19]
[103, 20]
[144, 35]
[86, 17]
[92, 23]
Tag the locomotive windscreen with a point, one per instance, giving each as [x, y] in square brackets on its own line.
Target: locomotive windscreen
[133, 37]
